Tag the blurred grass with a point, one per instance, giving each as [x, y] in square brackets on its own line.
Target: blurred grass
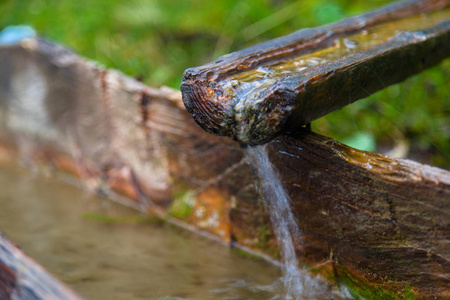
[158, 39]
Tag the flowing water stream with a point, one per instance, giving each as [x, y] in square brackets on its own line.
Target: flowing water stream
[299, 285]
[276, 202]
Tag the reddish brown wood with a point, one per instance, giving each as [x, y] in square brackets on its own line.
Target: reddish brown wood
[23, 278]
[382, 221]
[7, 281]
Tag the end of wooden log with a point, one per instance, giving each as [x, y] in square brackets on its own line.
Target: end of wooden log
[212, 111]
[244, 120]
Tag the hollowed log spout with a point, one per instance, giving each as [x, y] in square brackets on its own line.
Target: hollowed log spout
[254, 94]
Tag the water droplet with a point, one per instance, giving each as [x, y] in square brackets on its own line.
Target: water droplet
[349, 44]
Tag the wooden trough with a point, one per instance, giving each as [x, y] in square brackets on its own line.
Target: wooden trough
[378, 224]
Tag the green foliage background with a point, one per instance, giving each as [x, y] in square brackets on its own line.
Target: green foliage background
[158, 39]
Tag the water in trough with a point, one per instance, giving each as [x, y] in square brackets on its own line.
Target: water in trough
[107, 251]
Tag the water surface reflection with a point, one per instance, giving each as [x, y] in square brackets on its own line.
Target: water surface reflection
[107, 251]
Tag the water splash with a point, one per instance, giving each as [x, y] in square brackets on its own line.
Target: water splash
[276, 202]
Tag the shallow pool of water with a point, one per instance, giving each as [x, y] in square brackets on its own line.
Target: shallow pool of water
[106, 251]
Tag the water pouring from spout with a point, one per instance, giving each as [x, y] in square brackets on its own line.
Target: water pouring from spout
[277, 204]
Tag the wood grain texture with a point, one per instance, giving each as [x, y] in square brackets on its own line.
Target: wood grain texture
[246, 96]
[368, 219]
[383, 219]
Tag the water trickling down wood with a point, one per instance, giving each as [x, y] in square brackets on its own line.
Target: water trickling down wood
[277, 202]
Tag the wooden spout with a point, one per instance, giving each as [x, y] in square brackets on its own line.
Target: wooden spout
[254, 94]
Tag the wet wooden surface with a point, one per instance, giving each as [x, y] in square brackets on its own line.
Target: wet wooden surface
[382, 223]
[254, 94]
[383, 219]
[22, 278]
